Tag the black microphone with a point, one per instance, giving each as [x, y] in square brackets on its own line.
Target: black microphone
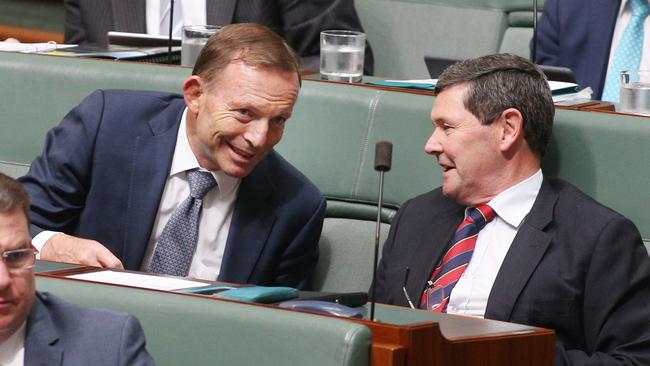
[171, 29]
[533, 52]
[383, 159]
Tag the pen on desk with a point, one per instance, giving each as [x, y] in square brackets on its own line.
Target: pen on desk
[406, 278]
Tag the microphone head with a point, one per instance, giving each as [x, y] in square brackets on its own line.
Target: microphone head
[383, 155]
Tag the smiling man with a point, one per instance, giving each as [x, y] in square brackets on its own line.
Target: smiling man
[40, 329]
[503, 241]
[185, 185]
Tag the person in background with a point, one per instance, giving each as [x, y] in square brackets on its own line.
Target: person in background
[37, 328]
[299, 22]
[502, 240]
[596, 40]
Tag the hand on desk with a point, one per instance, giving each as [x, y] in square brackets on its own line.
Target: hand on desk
[70, 249]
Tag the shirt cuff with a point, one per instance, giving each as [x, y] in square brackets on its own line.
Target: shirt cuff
[40, 239]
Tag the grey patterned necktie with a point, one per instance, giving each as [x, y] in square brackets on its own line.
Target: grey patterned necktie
[175, 247]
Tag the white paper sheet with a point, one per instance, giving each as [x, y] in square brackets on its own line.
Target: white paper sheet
[139, 280]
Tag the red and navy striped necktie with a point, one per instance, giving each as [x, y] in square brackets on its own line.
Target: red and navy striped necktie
[457, 258]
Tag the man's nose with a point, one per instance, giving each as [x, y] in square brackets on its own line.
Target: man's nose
[257, 133]
[433, 145]
[5, 276]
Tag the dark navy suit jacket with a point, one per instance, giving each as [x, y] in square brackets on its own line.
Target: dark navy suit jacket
[60, 333]
[574, 266]
[298, 21]
[103, 170]
[578, 34]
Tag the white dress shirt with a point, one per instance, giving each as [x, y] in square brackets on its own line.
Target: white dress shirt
[192, 13]
[623, 19]
[216, 214]
[470, 295]
[12, 351]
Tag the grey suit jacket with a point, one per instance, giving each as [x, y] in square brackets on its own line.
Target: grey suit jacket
[574, 266]
[298, 21]
[60, 333]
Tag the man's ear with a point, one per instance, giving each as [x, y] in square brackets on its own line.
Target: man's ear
[192, 92]
[512, 129]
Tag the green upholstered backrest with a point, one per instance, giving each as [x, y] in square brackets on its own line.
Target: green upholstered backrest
[401, 33]
[331, 138]
[190, 330]
[37, 91]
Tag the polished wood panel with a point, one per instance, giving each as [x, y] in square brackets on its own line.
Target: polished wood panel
[436, 339]
[29, 35]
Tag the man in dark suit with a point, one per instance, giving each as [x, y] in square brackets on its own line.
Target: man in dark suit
[548, 256]
[578, 34]
[40, 329]
[298, 21]
[119, 166]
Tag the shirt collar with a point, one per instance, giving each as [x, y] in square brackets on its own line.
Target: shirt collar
[185, 160]
[10, 348]
[514, 204]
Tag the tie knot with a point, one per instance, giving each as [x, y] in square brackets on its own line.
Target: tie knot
[481, 215]
[200, 183]
[640, 8]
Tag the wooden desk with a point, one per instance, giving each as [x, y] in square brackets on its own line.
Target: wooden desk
[588, 106]
[404, 337]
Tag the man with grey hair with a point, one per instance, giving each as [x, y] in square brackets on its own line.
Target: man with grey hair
[503, 241]
[185, 185]
[38, 328]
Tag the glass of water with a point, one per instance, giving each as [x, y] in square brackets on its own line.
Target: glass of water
[341, 55]
[194, 38]
[635, 92]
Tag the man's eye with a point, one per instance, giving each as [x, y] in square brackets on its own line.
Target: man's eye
[243, 111]
[279, 120]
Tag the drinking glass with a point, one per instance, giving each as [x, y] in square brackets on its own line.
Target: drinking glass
[635, 92]
[341, 55]
[194, 38]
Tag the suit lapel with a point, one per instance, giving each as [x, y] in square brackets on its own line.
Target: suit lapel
[129, 16]
[220, 12]
[250, 227]
[527, 249]
[41, 338]
[150, 166]
[428, 253]
[602, 19]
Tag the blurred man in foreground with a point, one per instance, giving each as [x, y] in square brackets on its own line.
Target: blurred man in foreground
[38, 328]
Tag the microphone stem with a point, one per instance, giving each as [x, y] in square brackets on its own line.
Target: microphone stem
[377, 231]
[171, 29]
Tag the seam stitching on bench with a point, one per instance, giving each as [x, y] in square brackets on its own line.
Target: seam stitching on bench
[372, 109]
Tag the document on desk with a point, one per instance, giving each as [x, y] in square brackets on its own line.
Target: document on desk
[32, 47]
[557, 87]
[140, 280]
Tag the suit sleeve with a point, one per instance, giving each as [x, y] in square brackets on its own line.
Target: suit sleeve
[302, 22]
[383, 287]
[548, 35]
[616, 315]
[300, 258]
[58, 179]
[132, 346]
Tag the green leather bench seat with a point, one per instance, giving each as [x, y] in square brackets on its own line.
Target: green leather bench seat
[186, 330]
[331, 139]
[402, 32]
